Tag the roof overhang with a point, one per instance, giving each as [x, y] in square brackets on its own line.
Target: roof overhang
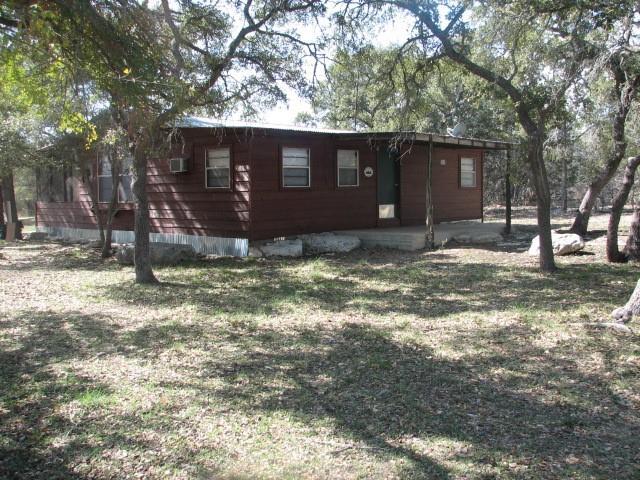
[397, 137]
[435, 138]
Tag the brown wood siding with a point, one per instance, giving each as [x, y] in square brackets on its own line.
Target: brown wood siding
[77, 215]
[178, 203]
[257, 206]
[451, 201]
[181, 202]
[280, 211]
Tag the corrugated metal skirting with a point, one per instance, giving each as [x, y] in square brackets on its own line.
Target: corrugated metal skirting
[237, 247]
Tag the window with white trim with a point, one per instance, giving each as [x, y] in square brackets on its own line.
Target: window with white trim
[105, 180]
[296, 168]
[348, 168]
[218, 168]
[467, 172]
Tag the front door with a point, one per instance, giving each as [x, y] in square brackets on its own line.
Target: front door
[388, 184]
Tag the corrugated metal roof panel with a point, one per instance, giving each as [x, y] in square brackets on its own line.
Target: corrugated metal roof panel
[205, 122]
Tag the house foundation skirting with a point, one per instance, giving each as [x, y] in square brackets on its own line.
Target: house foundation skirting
[237, 247]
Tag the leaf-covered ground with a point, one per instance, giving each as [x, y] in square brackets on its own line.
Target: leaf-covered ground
[459, 363]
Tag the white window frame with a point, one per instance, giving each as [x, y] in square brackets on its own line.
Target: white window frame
[207, 168]
[475, 172]
[308, 167]
[357, 167]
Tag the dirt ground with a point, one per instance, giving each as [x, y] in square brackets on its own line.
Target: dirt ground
[462, 363]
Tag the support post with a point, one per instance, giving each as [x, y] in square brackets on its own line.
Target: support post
[507, 193]
[430, 240]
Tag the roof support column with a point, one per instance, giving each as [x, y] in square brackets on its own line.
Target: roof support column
[430, 240]
[507, 193]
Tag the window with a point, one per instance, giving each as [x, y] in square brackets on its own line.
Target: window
[467, 172]
[296, 171]
[218, 168]
[105, 180]
[54, 184]
[348, 168]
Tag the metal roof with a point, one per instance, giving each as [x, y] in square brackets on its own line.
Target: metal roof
[401, 136]
[205, 122]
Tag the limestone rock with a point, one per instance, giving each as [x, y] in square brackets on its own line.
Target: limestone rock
[160, 253]
[282, 248]
[329, 242]
[563, 244]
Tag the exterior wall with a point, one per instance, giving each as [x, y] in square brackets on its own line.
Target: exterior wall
[257, 206]
[450, 201]
[179, 204]
[277, 211]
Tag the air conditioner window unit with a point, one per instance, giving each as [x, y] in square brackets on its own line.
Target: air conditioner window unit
[178, 165]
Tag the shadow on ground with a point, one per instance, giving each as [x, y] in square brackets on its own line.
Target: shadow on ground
[531, 407]
[518, 408]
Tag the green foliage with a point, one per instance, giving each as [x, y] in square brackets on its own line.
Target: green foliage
[384, 89]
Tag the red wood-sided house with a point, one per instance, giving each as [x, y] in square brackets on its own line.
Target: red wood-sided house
[226, 184]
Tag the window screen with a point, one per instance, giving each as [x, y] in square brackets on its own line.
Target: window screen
[467, 172]
[348, 168]
[218, 168]
[296, 171]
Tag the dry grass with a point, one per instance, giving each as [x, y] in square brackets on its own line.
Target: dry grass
[460, 363]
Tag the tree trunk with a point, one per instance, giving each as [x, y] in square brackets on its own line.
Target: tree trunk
[632, 247]
[1, 207]
[624, 91]
[507, 194]
[142, 260]
[613, 253]
[113, 204]
[10, 206]
[538, 171]
[564, 184]
[632, 307]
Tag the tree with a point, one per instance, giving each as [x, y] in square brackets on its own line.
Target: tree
[510, 46]
[632, 246]
[623, 62]
[156, 63]
[18, 148]
[630, 309]
[396, 89]
[613, 253]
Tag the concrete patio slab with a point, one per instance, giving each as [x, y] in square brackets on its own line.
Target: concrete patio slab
[413, 238]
